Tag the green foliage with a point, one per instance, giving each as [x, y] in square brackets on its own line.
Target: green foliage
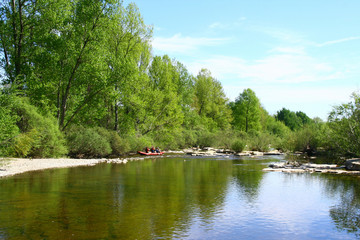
[23, 143]
[308, 139]
[206, 139]
[138, 143]
[210, 102]
[260, 142]
[8, 127]
[87, 142]
[293, 120]
[277, 128]
[246, 111]
[238, 145]
[344, 124]
[40, 135]
[118, 145]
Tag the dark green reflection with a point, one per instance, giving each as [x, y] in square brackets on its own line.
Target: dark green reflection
[139, 200]
[248, 175]
[345, 214]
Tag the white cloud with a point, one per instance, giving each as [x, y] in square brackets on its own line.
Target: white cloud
[183, 45]
[338, 41]
[218, 25]
[287, 77]
[275, 68]
[283, 35]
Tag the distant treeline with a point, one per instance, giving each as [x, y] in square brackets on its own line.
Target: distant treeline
[78, 78]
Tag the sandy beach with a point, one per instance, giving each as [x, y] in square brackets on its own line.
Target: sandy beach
[12, 166]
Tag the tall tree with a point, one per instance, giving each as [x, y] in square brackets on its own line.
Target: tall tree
[344, 123]
[163, 108]
[210, 101]
[293, 120]
[17, 24]
[128, 55]
[246, 111]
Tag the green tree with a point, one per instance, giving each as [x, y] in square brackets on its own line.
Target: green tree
[246, 111]
[304, 118]
[211, 102]
[128, 56]
[289, 118]
[344, 124]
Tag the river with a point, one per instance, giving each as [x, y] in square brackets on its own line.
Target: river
[179, 197]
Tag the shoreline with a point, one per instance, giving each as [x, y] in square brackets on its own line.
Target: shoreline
[13, 166]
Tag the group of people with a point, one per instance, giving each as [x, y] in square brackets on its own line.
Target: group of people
[152, 149]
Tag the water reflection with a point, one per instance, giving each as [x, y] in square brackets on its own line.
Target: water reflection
[156, 198]
[182, 198]
[346, 213]
[247, 175]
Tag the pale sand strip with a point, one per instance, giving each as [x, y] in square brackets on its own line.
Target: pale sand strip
[9, 167]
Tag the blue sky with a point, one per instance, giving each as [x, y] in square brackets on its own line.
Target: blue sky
[301, 55]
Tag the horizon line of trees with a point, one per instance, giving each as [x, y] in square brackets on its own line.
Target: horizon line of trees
[79, 79]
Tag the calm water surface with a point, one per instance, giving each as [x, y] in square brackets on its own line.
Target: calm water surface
[179, 198]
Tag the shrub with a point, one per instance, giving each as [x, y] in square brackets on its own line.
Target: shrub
[260, 142]
[238, 145]
[119, 146]
[169, 139]
[138, 143]
[190, 138]
[87, 142]
[206, 139]
[224, 139]
[23, 143]
[40, 135]
[8, 127]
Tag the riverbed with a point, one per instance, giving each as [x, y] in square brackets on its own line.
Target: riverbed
[179, 197]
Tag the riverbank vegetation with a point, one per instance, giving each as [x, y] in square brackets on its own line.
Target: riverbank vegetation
[79, 78]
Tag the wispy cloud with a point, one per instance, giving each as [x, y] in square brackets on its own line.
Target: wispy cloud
[338, 41]
[227, 26]
[273, 69]
[182, 44]
[288, 50]
[283, 35]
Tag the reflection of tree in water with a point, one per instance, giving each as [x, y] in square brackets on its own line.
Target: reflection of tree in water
[172, 195]
[140, 200]
[248, 175]
[346, 214]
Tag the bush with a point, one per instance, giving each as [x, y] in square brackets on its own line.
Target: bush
[118, 145]
[190, 138]
[238, 145]
[8, 127]
[206, 139]
[87, 142]
[260, 142]
[224, 139]
[40, 135]
[23, 143]
[138, 143]
[169, 139]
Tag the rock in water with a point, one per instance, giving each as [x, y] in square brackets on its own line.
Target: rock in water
[353, 164]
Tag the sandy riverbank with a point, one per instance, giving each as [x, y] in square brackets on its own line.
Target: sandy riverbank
[12, 166]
